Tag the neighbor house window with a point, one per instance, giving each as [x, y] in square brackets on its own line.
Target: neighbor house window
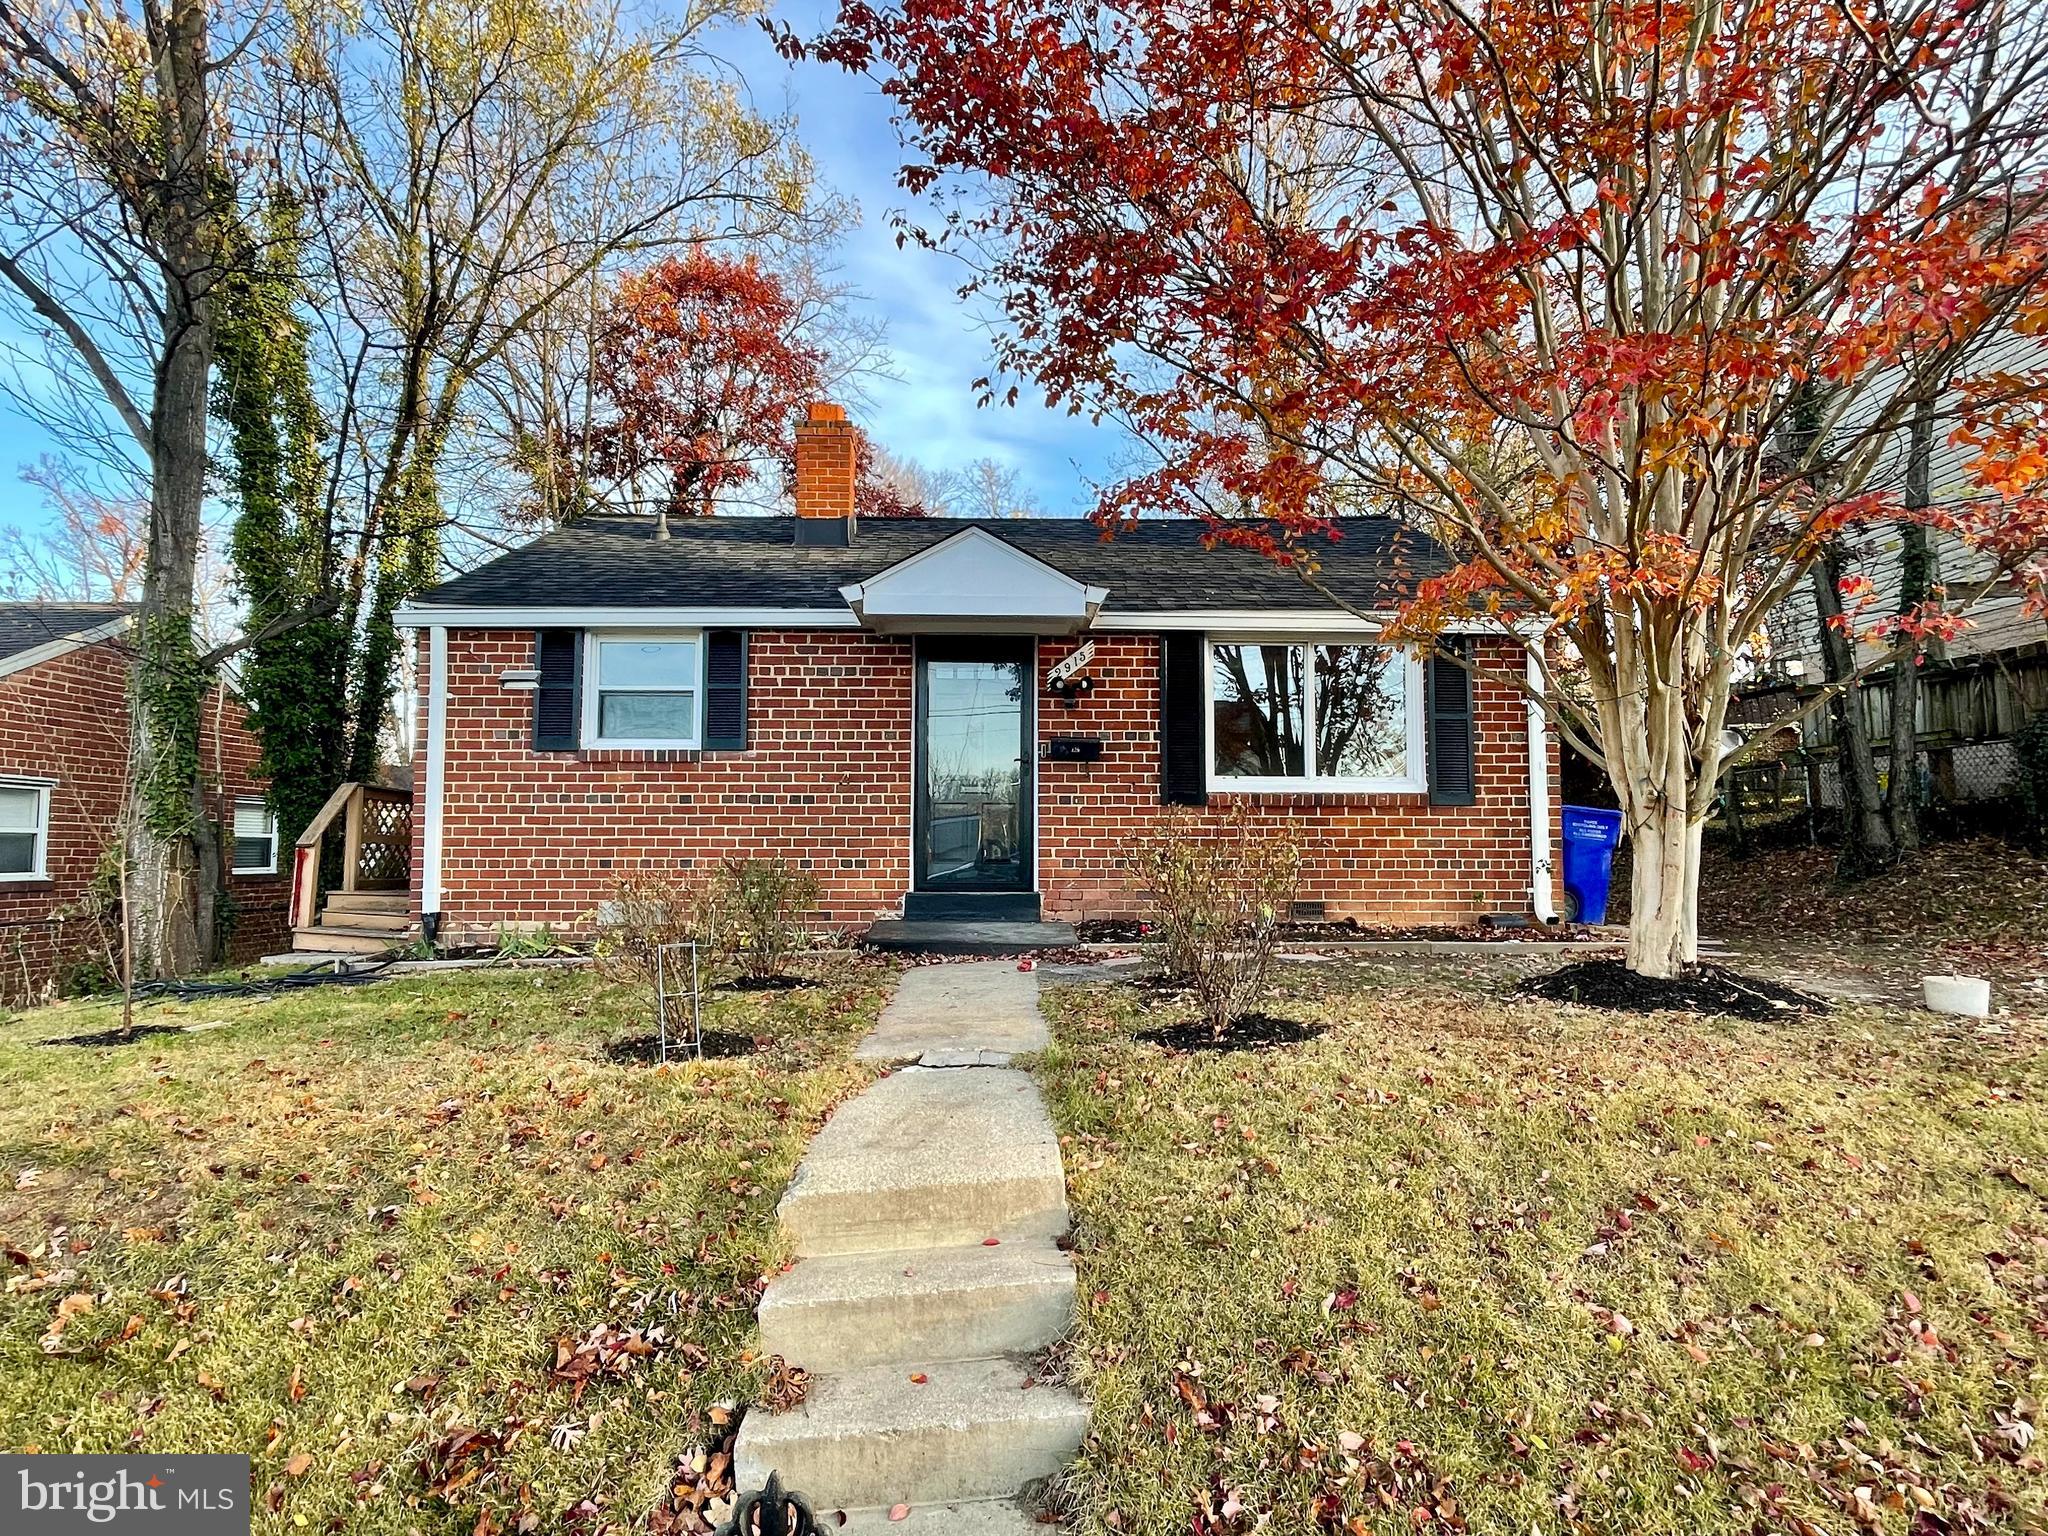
[24, 829]
[643, 691]
[1309, 715]
[255, 839]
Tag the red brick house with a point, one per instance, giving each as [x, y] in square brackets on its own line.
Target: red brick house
[63, 764]
[949, 718]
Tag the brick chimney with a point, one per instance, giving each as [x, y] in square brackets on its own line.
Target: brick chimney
[827, 447]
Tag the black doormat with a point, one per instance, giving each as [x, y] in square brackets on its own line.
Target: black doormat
[1705, 989]
[1252, 1032]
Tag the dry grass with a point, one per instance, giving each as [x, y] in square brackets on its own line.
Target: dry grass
[422, 1248]
[1468, 1262]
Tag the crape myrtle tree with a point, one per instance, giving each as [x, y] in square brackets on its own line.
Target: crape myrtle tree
[1550, 280]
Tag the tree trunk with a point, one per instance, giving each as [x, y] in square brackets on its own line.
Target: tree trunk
[1916, 581]
[176, 884]
[1867, 845]
[1664, 882]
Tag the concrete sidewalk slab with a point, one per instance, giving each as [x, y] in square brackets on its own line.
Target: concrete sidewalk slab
[987, 1011]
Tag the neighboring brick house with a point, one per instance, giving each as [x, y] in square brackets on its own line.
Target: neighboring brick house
[63, 762]
[954, 718]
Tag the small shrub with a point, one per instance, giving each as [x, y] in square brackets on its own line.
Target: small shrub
[2030, 747]
[1221, 890]
[645, 912]
[753, 914]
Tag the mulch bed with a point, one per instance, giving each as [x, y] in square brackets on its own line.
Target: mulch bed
[1252, 1032]
[1707, 989]
[1106, 930]
[766, 984]
[1111, 930]
[719, 1045]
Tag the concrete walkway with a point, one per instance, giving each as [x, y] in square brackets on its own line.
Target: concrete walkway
[924, 1217]
[959, 1016]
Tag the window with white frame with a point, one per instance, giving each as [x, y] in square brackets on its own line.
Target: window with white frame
[642, 690]
[24, 829]
[1293, 715]
[255, 839]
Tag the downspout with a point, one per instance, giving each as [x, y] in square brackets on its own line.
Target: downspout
[437, 756]
[1539, 800]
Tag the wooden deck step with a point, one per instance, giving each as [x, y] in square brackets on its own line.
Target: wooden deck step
[399, 902]
[323, 940]
[376, 922]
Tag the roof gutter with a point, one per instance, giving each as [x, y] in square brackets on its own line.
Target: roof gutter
[564, 616]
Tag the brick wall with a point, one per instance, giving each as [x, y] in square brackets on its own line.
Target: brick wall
[541, 837]
[67, 719]
[1378, 857]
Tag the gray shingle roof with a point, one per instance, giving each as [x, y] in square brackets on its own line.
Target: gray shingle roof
[24, 626]
[752, 562]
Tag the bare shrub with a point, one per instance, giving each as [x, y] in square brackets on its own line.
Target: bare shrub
[753, 911]
[646, 911]
[1220, 889]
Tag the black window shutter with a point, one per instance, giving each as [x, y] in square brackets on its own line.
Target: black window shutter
[1183, 779]
[558, 700]
[725, 690]
[1451, 778]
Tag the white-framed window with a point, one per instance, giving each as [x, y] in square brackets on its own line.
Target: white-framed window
[1305, 715]
[255, 839]
[643, 689]
[25, 828]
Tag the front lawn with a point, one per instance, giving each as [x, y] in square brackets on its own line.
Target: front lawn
[424, 1248]
[1467, 1262]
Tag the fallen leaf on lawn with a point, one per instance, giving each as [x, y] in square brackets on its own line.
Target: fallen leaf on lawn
[299, 1465]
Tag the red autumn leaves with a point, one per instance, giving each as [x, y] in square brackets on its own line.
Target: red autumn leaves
[704, 366]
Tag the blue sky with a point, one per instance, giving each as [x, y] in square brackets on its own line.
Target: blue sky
[928, 411]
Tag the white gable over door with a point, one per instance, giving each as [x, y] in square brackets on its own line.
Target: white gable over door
[973, 583]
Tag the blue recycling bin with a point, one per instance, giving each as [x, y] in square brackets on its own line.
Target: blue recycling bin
[1590, 836]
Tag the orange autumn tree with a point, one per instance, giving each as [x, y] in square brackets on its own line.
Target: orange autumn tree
[1620, 301]
[702, 367]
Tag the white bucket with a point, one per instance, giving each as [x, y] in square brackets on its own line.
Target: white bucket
[1969, 996]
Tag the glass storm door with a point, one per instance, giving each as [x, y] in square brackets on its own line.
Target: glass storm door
[973, 815]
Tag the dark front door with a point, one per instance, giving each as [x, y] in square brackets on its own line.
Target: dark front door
[974, 761]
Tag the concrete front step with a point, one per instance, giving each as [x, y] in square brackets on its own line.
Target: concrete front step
[968, 938]
[973, 1429]
[841, 1312]
[929, 1158]
[975, 1517]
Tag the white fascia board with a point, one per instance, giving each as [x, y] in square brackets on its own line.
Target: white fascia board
[50, 650]
[1292, 621]
[427, 615]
